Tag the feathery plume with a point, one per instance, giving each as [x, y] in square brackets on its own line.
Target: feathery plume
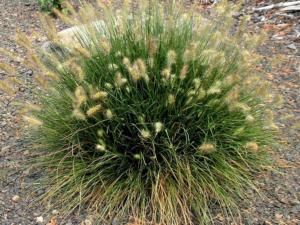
[80, 96]
[166, 73]
[201, 94]
[64, 17]
[119, 80]
[52, 75]
[183, 72]
[158, 127]
[197, 82]
[134, 72]
[82, 51]
[126, 61]
[171, 57]
[145, 134]
[7, 68]
[10, 54]
[93, 110]
[4, 86]
[32, 121]
[41, 81]
[99, 95]
[250, 118]
[49, 26]
[207, 148]
[112, 66]
[152, 47]
[109, 114]
[105, 46]
[23, 41]
[252, 146]
[171, 99]
[78, 114]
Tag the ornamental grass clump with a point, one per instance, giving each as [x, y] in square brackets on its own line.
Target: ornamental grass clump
[152, 112]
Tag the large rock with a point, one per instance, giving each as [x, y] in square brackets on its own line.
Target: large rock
[71, 36]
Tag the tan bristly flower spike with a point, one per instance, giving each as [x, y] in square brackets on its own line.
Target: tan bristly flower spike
[145, 134]
[171, 57]
[93, 110]
[48, 26]
[101, 147]
[158, 127]
[7, 68]
[14, 80]
[112, 66]
[119, 80]
[171, 99]
[32, 121]
[109, 114]
[78, 114]
[152, 46]
[250, 118]
[134, 72]
[22, 40]
[99, 95]
[64, 17]
[252, 146]
[166, 73]
[207, 148]
[183, 72]
[6, 88]
[105, 46]
[126, 62]
[80, 96]
[52, 75]
[41, 81]
[10, 54]
[82, 51]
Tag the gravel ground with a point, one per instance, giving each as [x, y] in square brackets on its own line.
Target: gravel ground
[280, 199]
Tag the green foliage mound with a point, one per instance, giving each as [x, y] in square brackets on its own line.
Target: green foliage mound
[155, 112]
[48, 5]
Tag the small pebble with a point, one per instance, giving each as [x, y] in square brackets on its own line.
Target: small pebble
[54, 212]
[16, 198]
[87, 222]
[39, 219]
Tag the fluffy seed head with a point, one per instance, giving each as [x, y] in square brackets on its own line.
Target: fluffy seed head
[101, 147]
[32, 121]
[99, 95]
[166, 73]
[252, 146]
[78, 114]
[152, 46]
[207, 148]
[250, 118]
[112, 66]
[7, 68]
[109, 114]
[80, 96]
[145, 134]
[171, 99]
[171, 57]
[105, 46]
[4, 86]
[158, 127]
[82, 51]
[119, 80]
[126, 61]
[183, 72]
[93, 110]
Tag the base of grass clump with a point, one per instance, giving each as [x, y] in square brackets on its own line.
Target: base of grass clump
[155, 115]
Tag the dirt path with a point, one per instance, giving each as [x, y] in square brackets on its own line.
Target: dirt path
[281, 201]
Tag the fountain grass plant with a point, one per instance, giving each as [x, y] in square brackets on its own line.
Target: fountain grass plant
[154, 112]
